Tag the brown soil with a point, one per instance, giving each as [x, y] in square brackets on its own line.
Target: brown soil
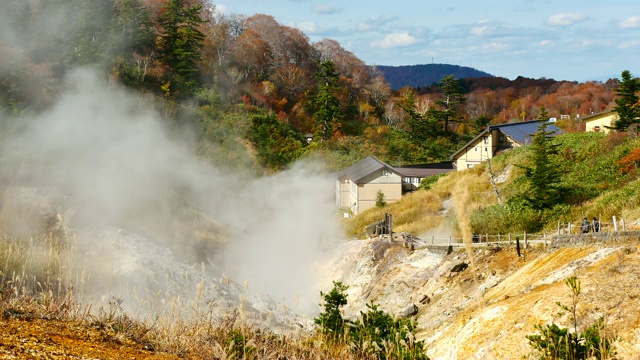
[24, 337]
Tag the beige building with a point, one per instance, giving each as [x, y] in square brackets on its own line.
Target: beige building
[357, 186]
[600, 122]
[494, 139]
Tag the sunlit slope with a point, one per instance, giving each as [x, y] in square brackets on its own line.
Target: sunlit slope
[589, 164]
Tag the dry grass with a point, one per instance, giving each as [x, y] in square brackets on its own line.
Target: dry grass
[422, 211]
[35, 284]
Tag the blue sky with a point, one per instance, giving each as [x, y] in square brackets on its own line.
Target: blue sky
[576, 40]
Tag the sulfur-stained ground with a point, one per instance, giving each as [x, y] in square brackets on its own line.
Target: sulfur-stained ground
[486, 310]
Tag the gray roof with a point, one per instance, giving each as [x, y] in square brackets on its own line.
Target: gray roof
[371, 164]
[424, 170]
[419, 172]
[363, 168]
[522, 132]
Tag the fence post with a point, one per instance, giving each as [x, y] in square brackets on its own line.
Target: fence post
[509, 239]
[558, 227]
[570, 229]
[615, 225]
[449, 241]
[624, 228]
[433, 238]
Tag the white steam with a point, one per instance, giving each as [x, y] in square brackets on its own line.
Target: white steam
[117, 164]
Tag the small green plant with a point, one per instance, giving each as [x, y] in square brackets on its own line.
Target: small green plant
[427, 182]
[554, 342]
[330, 320]
[380, 199]
[238, 346]
[376, 335]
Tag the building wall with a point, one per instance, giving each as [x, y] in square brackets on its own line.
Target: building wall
[477, 152]
[484, 148]
[367, 194]
[342, 193]
[598, 123]
[386, 181]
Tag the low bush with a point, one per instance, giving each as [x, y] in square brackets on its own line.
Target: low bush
[376, 335]
[555, 342]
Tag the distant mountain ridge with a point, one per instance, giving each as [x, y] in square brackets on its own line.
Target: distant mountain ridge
[426, 74]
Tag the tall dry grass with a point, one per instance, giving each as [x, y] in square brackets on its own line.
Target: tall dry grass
[39, 280]
[423, 212]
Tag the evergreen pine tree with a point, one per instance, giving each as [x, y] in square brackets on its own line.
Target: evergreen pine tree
[452, 96]
[544, 177]
[543, 114]
[181, 41]
[327, 109]
[627, 103]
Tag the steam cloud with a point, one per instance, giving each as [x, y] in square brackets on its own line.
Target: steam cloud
[114, 162]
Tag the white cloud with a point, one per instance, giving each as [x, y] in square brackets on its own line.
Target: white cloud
[308, 27]
[375, 22]
[482, 30]
[631, 23]
[544, 43]
[325, 9]
[566, 19]
[629, 44]
[495, 46]
[395, 40]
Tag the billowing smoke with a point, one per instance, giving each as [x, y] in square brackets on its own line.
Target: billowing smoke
[114, 162]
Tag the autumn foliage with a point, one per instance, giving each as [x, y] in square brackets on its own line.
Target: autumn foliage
[630, 163]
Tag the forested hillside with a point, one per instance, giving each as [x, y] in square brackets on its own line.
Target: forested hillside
[239, 80]
[426, 74]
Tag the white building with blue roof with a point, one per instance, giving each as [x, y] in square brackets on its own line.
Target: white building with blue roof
[497, 138]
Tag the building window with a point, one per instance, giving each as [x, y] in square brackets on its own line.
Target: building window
[486, 140]
[385, 172]
[485, 149]
[469, 166]
[406, 180]
[415, 180]
[596, 128]
[501, 139]
[475, 148]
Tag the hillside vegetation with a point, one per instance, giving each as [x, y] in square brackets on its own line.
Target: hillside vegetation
[226, 69]
[599, 174]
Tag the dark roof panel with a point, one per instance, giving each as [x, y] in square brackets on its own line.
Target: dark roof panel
[363, 168]
[523, 132]
[421, 172]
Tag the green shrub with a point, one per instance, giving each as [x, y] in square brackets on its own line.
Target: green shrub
[554, 342]
[238, 347]
[278, 145]
[330, 320]
[427, 182]
[380, 200]
[375, 336]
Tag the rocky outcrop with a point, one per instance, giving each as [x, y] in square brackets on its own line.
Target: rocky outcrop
[487, 310]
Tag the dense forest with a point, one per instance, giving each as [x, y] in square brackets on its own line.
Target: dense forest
[242, 80]
[426, 74]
